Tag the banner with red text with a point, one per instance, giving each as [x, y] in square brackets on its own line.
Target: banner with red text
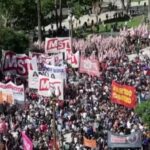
[17, 90]
[56, 45]
[132, 140]
[27, 143]
[72, 59]
[15, 63]
[89, 66]
[49, 86]
[43, 86]
[57, 87]
[123, 94]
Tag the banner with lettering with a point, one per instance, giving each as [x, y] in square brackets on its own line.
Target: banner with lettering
[89, 142]
[132, 140]
[43, 86]
[15, 63]
[27, 143]
[33, 79]
[72, 59]
[57, 87]
[56, 45]
[55, 72]
[123, 94]
[49, 86]
[89, 66]
[17, 90]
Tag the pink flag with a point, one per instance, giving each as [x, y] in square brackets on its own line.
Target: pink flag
[27, 143]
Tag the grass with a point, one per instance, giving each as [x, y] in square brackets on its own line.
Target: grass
[134, 22]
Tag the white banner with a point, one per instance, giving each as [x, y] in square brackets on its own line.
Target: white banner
[33, 79]
[43, 86]
[55, 45]
[72, 59]
[15, 63]
[49, 86]
[17, 90]
[55, 72]
[57, 86]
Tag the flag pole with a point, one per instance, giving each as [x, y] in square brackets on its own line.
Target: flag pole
[54, 121]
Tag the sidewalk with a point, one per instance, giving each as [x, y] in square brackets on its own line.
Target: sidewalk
[102, 16]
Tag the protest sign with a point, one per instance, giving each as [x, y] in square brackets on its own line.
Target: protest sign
[43, 86]
[56, 87]
[132, 140]
[72, 59]
[55, 72]
[33, 79]
[56, 45]
[15, 63]
[89, 66]
[123, 94]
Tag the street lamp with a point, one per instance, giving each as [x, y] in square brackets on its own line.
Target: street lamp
[71, 19]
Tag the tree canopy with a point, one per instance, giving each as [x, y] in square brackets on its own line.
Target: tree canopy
[143, 110]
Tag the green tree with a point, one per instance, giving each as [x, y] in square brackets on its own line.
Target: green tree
[11, 40]
[19, 14]
[143, 110]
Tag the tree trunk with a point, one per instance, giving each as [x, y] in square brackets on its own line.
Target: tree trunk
[127, 6]
[60, 15]
[56, 15]
[39, 22]
[123, 5]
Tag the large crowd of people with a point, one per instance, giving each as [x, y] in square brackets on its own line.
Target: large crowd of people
[86, 110]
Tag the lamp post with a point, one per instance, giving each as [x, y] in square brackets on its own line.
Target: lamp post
[71, 20]
[53, 102]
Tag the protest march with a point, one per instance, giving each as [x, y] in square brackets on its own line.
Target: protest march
[78, 94]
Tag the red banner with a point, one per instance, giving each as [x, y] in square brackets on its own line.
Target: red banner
[89, 66]
[16, 63]
[123, 94]
[56, 45]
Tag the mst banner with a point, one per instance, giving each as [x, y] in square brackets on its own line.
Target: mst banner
[89, 66]
[56, 45]
[124, 141]
[123, 94]
[15, 63]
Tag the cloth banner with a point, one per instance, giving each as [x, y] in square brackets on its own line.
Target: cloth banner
[55, 72]
[54, 60]
[15, 63]
[17, 90]
[56, 86]
[56, 45]
[49, 86]
[132, 140]
[89, 143]
[89, 66]
[123, 94]
[43, 86]
[72, 59]
[6, 96]
[33, 79]
[27, 143]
